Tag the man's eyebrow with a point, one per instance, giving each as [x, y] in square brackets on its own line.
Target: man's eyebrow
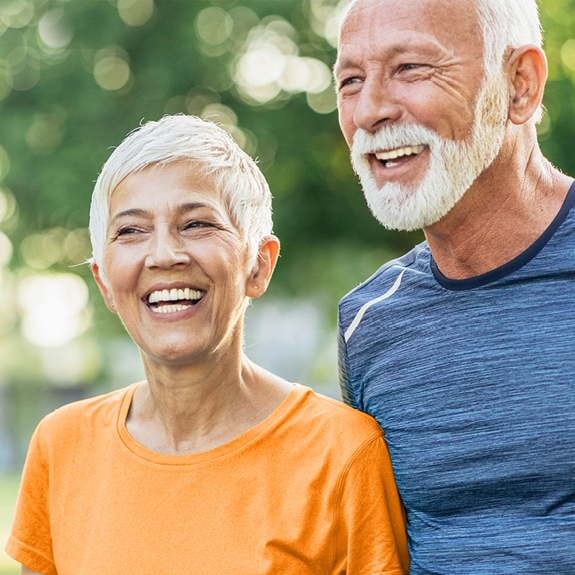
[400, 48]
[342, 64]
[138, 212]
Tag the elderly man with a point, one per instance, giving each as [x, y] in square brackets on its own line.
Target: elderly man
[464, 349]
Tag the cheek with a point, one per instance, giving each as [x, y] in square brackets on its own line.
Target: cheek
[122, 268]
[346, 110]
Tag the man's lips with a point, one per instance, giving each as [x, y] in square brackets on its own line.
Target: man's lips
[391, 158]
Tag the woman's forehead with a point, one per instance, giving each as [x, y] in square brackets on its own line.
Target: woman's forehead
[166, 186]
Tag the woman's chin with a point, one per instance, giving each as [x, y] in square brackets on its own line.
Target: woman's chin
[174, 355]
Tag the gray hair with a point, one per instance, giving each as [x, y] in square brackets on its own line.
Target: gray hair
[212, 151]
[507, 24]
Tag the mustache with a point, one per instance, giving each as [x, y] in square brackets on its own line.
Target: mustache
[391, 137]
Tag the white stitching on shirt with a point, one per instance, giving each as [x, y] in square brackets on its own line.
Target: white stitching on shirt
[364, 307]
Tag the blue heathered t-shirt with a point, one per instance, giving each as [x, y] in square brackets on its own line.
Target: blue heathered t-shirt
[473, 382]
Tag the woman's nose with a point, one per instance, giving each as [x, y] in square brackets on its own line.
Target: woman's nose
[167, 250]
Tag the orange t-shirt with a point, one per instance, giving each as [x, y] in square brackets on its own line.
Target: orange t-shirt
[309, 490]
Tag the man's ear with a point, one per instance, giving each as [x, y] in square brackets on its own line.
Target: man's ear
[104, 289]
[527, 69]
[260, 277]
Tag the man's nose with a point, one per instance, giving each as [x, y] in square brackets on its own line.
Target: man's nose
[377, 105]
[167, 250]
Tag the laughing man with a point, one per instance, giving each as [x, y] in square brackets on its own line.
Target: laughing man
[463, 349]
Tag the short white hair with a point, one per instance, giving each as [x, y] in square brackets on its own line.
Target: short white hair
[211, 151]
[507, 24]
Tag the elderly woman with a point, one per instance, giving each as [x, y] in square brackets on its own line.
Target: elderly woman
[212, 465]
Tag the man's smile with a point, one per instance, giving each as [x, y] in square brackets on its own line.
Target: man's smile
[398, 154]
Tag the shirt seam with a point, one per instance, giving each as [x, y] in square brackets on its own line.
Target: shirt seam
[29, 553]
[339, 492]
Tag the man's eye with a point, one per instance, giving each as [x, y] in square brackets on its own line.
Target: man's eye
[349, 81]
[410, 66]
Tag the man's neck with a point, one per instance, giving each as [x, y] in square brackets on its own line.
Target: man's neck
[508, 207]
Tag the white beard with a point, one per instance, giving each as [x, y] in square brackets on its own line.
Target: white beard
[453, 165]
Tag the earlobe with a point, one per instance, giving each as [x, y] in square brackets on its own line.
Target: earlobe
[527, 73]
[104, 289]
[260, 277]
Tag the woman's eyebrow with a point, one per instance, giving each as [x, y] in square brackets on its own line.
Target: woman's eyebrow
[130, 212]
[187, 207]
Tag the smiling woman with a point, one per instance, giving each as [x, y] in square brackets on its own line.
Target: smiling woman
[211, 465]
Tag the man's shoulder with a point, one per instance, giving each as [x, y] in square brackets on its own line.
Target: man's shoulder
[386, 278]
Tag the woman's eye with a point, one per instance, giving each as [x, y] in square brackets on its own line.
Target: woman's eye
[127, 230]
[196, 224]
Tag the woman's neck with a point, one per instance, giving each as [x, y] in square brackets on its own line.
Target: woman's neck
[188, 409]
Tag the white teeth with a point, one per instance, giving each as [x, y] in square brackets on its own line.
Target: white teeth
[175, 295]
[170, 308]
[400, 152]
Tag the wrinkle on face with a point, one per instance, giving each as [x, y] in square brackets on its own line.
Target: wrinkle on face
[443, 38]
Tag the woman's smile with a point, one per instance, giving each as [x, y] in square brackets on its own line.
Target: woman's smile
[170, 299]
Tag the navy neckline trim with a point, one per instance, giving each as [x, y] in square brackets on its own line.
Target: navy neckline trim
[515, 263]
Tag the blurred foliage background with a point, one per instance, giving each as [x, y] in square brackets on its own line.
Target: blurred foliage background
[77, 75]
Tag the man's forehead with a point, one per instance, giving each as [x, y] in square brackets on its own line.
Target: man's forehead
[401, 23]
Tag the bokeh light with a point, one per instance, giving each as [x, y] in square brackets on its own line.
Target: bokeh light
[135, 12]
[5, 249]
[16, 14]
[568, 54]
[46, 132]
[111, 69]
[7, 204]
[54, 308]
[72, 363]
[55, 30]
[270, 64]
[228, 120]
[214, 26]
[326, 18]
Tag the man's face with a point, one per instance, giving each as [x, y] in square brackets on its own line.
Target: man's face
[409, 74]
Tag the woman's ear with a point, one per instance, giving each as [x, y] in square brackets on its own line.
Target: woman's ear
[527, 69]
[267, 257]
[104, 289]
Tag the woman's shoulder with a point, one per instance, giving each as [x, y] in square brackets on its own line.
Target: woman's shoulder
[335, 420]
[85, 413]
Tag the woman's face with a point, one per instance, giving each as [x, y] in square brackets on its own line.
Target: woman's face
[178, 269]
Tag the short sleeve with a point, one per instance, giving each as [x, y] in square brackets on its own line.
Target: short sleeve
[371, 527]
[30, 540]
